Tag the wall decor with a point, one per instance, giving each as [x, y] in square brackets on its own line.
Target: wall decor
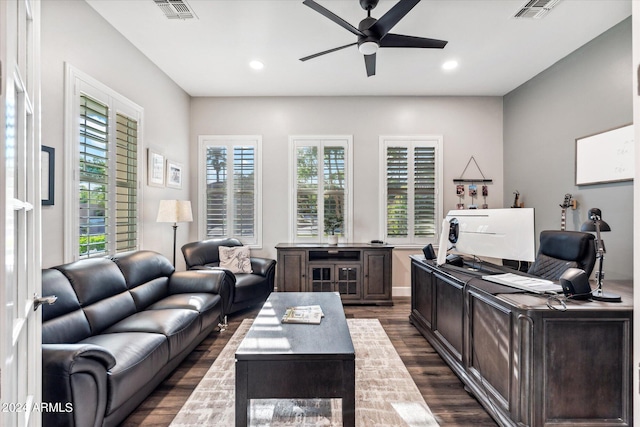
[47, 162]
[155, 168]
[605, 157]
[174, 174]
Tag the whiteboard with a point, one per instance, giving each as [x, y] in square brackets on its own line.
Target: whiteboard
[605, 157]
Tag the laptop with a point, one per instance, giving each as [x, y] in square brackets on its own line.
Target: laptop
[525, 283]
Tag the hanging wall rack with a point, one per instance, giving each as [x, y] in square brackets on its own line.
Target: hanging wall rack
[462, 180]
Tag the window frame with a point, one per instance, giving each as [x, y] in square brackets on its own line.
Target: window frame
[230, 141]
[321, 141]
[78, 83]
[411, 142]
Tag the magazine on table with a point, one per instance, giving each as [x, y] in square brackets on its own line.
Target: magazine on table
[311, 314]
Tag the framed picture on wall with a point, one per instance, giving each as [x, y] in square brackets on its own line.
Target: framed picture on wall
[155, 168]
[174, 174]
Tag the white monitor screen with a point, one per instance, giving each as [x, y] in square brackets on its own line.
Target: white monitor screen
[495, 233]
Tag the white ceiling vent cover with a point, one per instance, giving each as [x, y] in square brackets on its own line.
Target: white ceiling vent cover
[176, 9]
[536, 9]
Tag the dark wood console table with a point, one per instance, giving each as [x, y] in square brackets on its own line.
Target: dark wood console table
[361, 273]
[528, 364]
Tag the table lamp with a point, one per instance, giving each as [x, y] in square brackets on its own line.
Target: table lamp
[595, 223]
[174, 211]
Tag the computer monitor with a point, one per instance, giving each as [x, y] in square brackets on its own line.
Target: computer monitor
[491, 233]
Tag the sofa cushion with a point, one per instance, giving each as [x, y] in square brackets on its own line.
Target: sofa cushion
[208, 305]
[150, 292]
[236, 259]
[139, 356]
[178, 325]
[94, 279]
[140, 267]
[105, 313]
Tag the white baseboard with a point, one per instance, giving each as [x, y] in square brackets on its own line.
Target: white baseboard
[401, 291]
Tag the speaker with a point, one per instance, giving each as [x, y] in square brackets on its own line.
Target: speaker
[428, 252]
[575, 284]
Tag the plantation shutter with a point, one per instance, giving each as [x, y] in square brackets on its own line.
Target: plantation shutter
[94, 177]
[231, 188]
[334, 186]
[424, 192]
[244, 194]
[216, 182]
[397, 191]
[126, 207]
[411, 189]
[307, 191]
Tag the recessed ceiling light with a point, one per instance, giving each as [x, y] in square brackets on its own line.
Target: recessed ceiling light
[450, 65]
[256, 65]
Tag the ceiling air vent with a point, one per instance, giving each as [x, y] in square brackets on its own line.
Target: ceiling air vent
[175, 9]
[536, 9]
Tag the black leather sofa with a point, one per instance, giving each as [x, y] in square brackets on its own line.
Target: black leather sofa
[249, 289]
[117, 329]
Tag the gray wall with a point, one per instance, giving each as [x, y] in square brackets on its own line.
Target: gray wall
[471, 126]
[107, 56]
[587, 92]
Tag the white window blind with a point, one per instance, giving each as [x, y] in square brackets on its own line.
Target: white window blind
[231, 187]
[411, 187]
[321, 184]
[107, 219]
[103, 145]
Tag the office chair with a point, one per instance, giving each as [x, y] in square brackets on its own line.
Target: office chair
[560, 250]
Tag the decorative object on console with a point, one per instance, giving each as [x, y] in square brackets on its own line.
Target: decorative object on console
[595, 223]
[567, 202]
[374, 33]
[332, 224]
[174, 211]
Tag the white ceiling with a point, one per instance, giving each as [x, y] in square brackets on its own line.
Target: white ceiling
[209, 56]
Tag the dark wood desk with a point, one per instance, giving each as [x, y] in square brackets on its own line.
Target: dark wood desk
[283, 360]
[528, 364]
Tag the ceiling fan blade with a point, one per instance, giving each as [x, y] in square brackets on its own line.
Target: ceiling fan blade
[392, 17]
[332, 16]
[327, 51]
[399, 40]
[370, 64]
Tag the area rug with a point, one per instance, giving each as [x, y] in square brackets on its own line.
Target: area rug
[385, 392]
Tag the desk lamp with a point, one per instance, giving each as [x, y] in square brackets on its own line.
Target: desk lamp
[595, 223]
[174, 211]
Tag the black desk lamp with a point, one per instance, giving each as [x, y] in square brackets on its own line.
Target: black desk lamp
[595, 223]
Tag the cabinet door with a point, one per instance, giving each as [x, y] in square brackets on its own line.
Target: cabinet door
[377, 275]
[348, 281]
[321, 278]
[292, 269]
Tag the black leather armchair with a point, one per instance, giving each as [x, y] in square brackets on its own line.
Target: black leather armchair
[560, 250]
[249, 289]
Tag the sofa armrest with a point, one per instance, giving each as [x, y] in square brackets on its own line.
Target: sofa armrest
[214, 281]
[263, 266]
[74, 376]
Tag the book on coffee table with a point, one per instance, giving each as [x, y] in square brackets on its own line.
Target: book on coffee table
[310, 314]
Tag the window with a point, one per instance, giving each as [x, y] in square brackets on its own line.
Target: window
[230, 188]
[321, 196]
[411, 184]
[103, 145]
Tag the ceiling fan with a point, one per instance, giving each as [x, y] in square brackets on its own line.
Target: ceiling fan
[374, 33]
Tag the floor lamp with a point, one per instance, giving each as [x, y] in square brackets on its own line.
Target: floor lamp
[595, 223]
[174, 211]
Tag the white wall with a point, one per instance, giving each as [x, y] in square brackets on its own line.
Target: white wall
[73, 32]
[471, 126]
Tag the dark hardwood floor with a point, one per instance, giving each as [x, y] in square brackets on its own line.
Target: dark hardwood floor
[441, 388]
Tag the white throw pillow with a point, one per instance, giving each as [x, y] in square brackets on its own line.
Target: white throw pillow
[236, 259]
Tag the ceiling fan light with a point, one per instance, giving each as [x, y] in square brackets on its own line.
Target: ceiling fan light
[368, 48]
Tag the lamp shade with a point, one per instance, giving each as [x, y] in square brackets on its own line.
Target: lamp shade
[174, 211]
[594, 215]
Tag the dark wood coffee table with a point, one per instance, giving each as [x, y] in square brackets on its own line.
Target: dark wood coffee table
[283, 360]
